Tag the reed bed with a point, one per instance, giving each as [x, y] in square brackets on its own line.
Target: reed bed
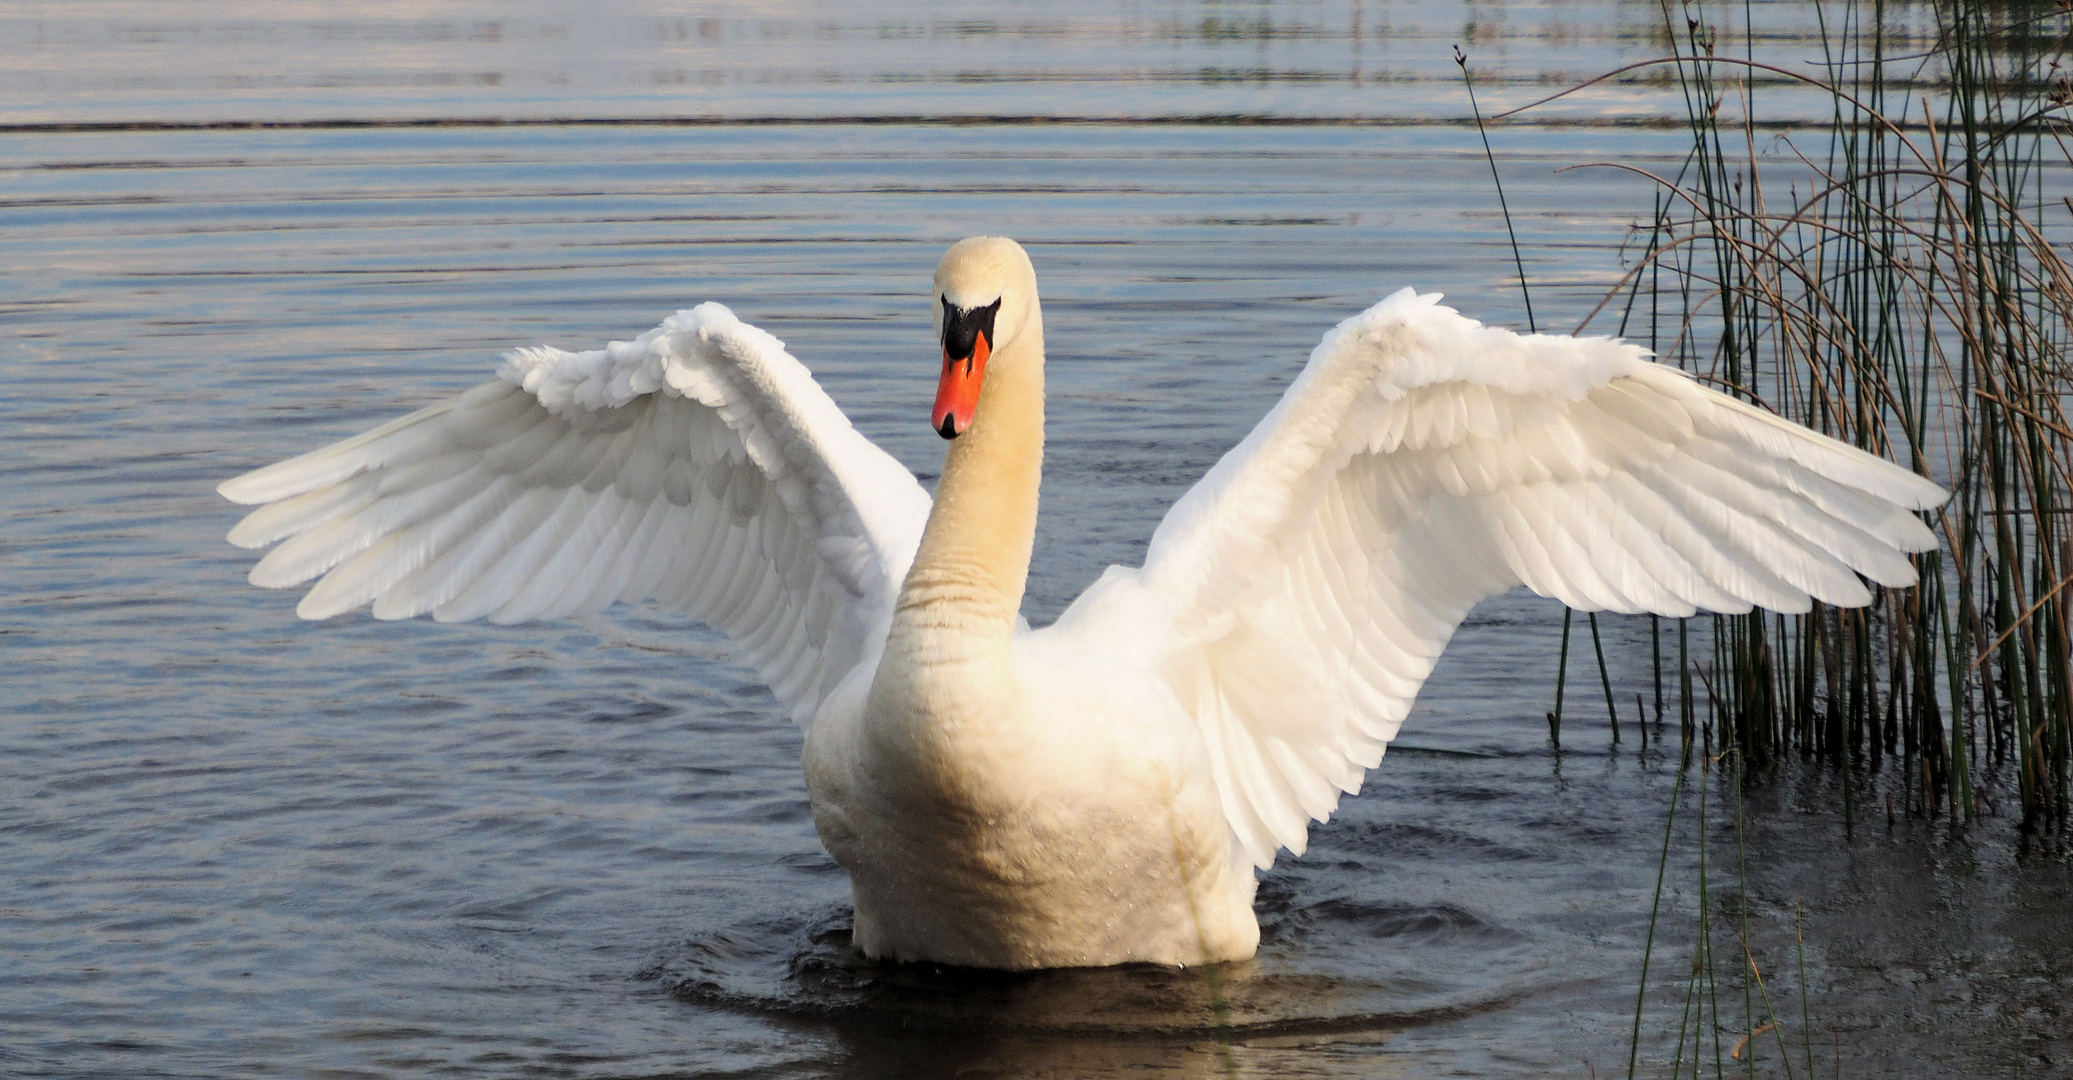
[1891, 277]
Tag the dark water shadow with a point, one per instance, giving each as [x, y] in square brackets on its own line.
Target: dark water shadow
[890, 1019]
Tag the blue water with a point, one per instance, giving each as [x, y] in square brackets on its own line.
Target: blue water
[239, 844]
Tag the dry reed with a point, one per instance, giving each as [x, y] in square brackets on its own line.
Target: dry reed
[1905, 294]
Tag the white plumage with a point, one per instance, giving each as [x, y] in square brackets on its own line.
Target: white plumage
[1098, 790]
[697, 465]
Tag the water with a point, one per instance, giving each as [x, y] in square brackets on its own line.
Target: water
[241, 844]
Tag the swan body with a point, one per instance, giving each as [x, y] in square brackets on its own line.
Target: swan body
[1100, 790]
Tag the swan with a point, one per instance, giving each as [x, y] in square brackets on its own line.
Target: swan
[1103, 789]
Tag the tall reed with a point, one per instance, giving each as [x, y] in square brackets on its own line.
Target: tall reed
[1890, 277]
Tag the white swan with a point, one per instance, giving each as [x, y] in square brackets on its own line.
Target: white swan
[1099, 790]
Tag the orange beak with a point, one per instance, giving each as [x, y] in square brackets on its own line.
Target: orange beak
[957, 395]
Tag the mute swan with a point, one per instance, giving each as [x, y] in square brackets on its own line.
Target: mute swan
[1099, 790]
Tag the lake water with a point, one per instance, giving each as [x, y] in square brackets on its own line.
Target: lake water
[239, 844]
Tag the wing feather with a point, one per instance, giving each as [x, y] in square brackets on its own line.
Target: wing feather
[398, 440]
[699, 465]
[1295, 599]
[303, 512]
[528, 577]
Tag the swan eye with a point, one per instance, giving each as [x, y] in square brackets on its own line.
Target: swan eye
[962, 328]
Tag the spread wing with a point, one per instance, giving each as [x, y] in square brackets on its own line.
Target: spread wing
[698, 465]
[1297, 597]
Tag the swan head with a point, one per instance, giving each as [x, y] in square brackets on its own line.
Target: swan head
[985, 298]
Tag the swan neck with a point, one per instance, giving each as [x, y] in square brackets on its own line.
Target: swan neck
[972, 566]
